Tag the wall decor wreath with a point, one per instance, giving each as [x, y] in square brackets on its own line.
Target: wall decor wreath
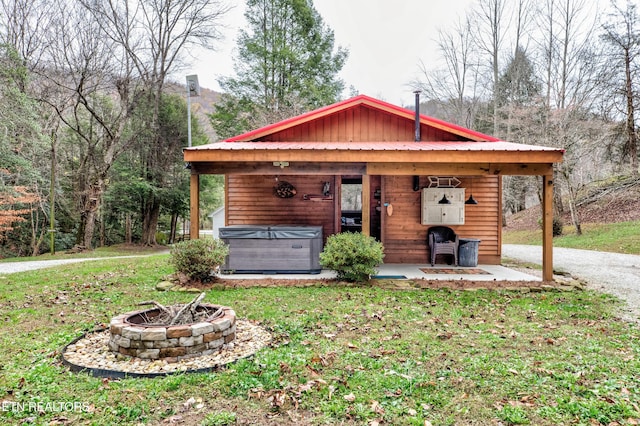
[284, 189]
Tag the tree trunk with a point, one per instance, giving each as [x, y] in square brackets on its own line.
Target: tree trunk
[103, 237]
[558, 206]
[575, 218]
[91, 206]
[632, 139]
[127, 228]
[90, 226]
[81, 227]
[36, 240]
[174, 228]
[150, 222]
[52, 196]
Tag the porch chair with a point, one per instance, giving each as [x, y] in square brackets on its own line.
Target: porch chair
[442, 240]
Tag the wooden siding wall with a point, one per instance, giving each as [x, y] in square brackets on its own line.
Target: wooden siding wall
[360, 124]
[405, 239]
[251, 202]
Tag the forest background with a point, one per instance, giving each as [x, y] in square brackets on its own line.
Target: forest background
[93, 124]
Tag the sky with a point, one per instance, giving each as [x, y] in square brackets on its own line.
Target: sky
[386, 39]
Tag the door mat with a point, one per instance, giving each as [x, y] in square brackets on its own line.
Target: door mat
[455, 271]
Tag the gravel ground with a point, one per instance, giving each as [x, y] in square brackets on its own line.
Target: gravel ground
[613, 273]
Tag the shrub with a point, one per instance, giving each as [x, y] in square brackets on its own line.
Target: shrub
[558, 224]
[354, 256]
[556, 227]
[198, 258]
[161, 238]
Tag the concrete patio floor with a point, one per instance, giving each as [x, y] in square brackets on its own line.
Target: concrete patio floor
[404, 271]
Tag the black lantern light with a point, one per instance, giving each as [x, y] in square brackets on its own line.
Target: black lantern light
[471, 200]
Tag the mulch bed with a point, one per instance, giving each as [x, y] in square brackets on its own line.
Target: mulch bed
[400, 284]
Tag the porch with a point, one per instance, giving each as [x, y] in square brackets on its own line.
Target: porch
[425, 271]
[395, 156]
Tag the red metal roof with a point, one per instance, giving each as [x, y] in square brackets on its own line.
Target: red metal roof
[496, 145]
[354, 102]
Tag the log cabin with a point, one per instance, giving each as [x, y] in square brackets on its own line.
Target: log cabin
[366, 165]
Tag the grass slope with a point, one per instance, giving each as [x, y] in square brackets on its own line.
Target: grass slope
[609, 213]
[622, 237]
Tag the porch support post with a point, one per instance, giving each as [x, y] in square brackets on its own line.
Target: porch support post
[366, 205]
[547, 227]
[194, 195]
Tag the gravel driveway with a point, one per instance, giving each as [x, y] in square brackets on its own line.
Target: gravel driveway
[613, 273]
[13, 267]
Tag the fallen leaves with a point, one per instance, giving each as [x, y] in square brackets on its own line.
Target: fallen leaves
[444, 336]
[280, 399]
[377, 408]
[525, 400]
[325, 360]
[192, 402]
[277, 398]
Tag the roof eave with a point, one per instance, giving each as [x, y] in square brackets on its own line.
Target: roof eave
[347, 156]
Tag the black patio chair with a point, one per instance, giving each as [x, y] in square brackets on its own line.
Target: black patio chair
[442, 240]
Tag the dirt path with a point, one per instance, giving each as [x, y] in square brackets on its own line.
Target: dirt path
[613, 273]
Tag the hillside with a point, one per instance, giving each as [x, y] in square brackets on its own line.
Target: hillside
[611, 202]
[201, 106]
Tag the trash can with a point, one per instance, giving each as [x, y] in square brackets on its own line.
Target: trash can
[468, 252]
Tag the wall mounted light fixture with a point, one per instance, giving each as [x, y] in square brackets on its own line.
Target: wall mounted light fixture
[471, 200]
[281, 164]
[444, 200]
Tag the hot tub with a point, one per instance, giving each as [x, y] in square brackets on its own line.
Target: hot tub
[272, 249]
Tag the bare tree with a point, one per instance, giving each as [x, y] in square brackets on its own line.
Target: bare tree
[622, 32]
[569, 58]
[22, 25]
[492, 20]
[454, 85]
[88, 83]
[155, 36]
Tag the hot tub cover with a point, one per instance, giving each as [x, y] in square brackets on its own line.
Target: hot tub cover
[270, 232]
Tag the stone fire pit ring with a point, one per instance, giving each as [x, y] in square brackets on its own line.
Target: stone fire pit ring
[90, 353]
[134, 335]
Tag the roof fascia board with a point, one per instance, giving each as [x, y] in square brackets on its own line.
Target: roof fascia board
[346, 156]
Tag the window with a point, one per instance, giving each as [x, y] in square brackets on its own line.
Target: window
[351, 199]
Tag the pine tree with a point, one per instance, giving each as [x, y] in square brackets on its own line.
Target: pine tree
[286, 65]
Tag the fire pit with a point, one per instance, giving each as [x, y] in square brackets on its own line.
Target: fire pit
[142, 334]
[132, 336]
[190, 338]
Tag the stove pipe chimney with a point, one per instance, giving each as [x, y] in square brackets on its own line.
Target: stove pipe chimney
[417, 120]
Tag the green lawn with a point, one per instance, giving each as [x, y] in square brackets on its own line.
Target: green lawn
[345, 355]
[110, 251]
[623, 237]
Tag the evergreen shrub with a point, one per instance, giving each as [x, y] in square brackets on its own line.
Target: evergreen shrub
[353, 255]
[198, 258]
